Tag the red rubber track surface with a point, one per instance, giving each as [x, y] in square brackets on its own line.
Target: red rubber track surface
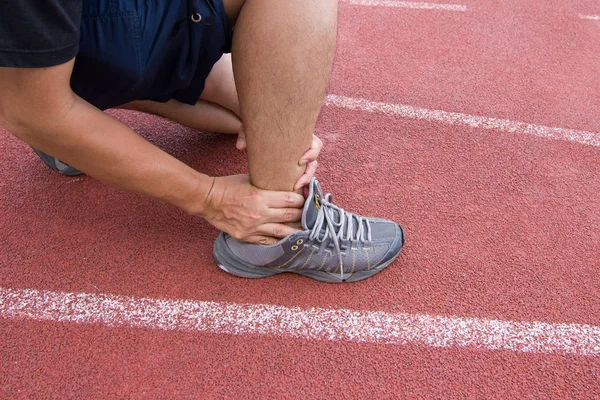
[518, 60]
[499, 225]
[64, 361]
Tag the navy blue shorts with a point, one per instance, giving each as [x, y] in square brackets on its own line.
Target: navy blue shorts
[148, 49]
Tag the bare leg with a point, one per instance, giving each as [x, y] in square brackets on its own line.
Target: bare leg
[203, 116]
[217, 110]
[220, 86]
[282, 56]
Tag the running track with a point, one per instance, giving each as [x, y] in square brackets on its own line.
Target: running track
[475, 125]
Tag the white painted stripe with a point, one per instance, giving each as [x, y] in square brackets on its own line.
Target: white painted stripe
[312, 323]
[475, 121]
[592, 17]
[408, 4]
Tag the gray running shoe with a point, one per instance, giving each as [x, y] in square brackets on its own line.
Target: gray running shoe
[57, 165]
[335, 246]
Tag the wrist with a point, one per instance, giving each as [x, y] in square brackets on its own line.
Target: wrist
[197, 201]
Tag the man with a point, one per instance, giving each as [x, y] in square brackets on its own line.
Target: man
[62, 62]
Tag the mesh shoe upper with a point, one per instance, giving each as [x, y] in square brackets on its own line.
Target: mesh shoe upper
[333, 241]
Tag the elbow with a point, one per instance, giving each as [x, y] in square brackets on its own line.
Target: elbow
[35, 100]
[14, 117]
[27, 119]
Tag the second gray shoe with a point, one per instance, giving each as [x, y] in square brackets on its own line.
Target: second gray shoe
[335, 246]
[57, 165]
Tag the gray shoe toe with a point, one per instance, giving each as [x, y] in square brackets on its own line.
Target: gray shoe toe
[396, 245]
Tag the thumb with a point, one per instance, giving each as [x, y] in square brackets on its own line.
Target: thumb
[263, 240]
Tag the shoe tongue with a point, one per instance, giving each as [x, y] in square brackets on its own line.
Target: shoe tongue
[312, 205]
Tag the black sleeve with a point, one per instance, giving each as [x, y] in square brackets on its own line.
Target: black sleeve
[38, 33]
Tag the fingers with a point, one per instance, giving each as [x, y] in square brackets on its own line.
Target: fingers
[283, 199]
[295, 225]
[285, 215]
[310, 160]
[268, 234]
[264, 240]
[313, 153]
[253, 215]
[311, 168]
[278, 231]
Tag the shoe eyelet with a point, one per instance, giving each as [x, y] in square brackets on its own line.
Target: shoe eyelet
[299, 242]
[294, 248]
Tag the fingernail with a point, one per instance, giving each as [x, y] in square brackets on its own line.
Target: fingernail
[303, 162]
[241, 142]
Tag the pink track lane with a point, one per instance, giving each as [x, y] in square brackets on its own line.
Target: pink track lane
[135, 363]
[532, 62]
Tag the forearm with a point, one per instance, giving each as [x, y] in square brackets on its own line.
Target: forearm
[38, 106]
[106, 149]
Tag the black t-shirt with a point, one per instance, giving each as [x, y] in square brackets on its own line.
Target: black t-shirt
[38, 33]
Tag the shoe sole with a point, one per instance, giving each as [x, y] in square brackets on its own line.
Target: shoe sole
[234, 266]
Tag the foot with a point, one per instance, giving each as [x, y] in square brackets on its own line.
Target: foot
[335, 246]
[57, 165]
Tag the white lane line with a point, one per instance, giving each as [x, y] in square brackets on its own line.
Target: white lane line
[592, 17]
[312, 323]
[408, 4]
[475, 121]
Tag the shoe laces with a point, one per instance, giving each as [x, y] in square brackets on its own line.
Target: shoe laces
[339, 228]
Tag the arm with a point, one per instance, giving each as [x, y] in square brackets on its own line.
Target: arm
[38, 106]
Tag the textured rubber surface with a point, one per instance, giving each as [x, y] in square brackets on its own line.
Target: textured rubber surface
[500, 226]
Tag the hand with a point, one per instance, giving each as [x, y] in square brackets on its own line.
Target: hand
[250, 214]
[309, 158]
